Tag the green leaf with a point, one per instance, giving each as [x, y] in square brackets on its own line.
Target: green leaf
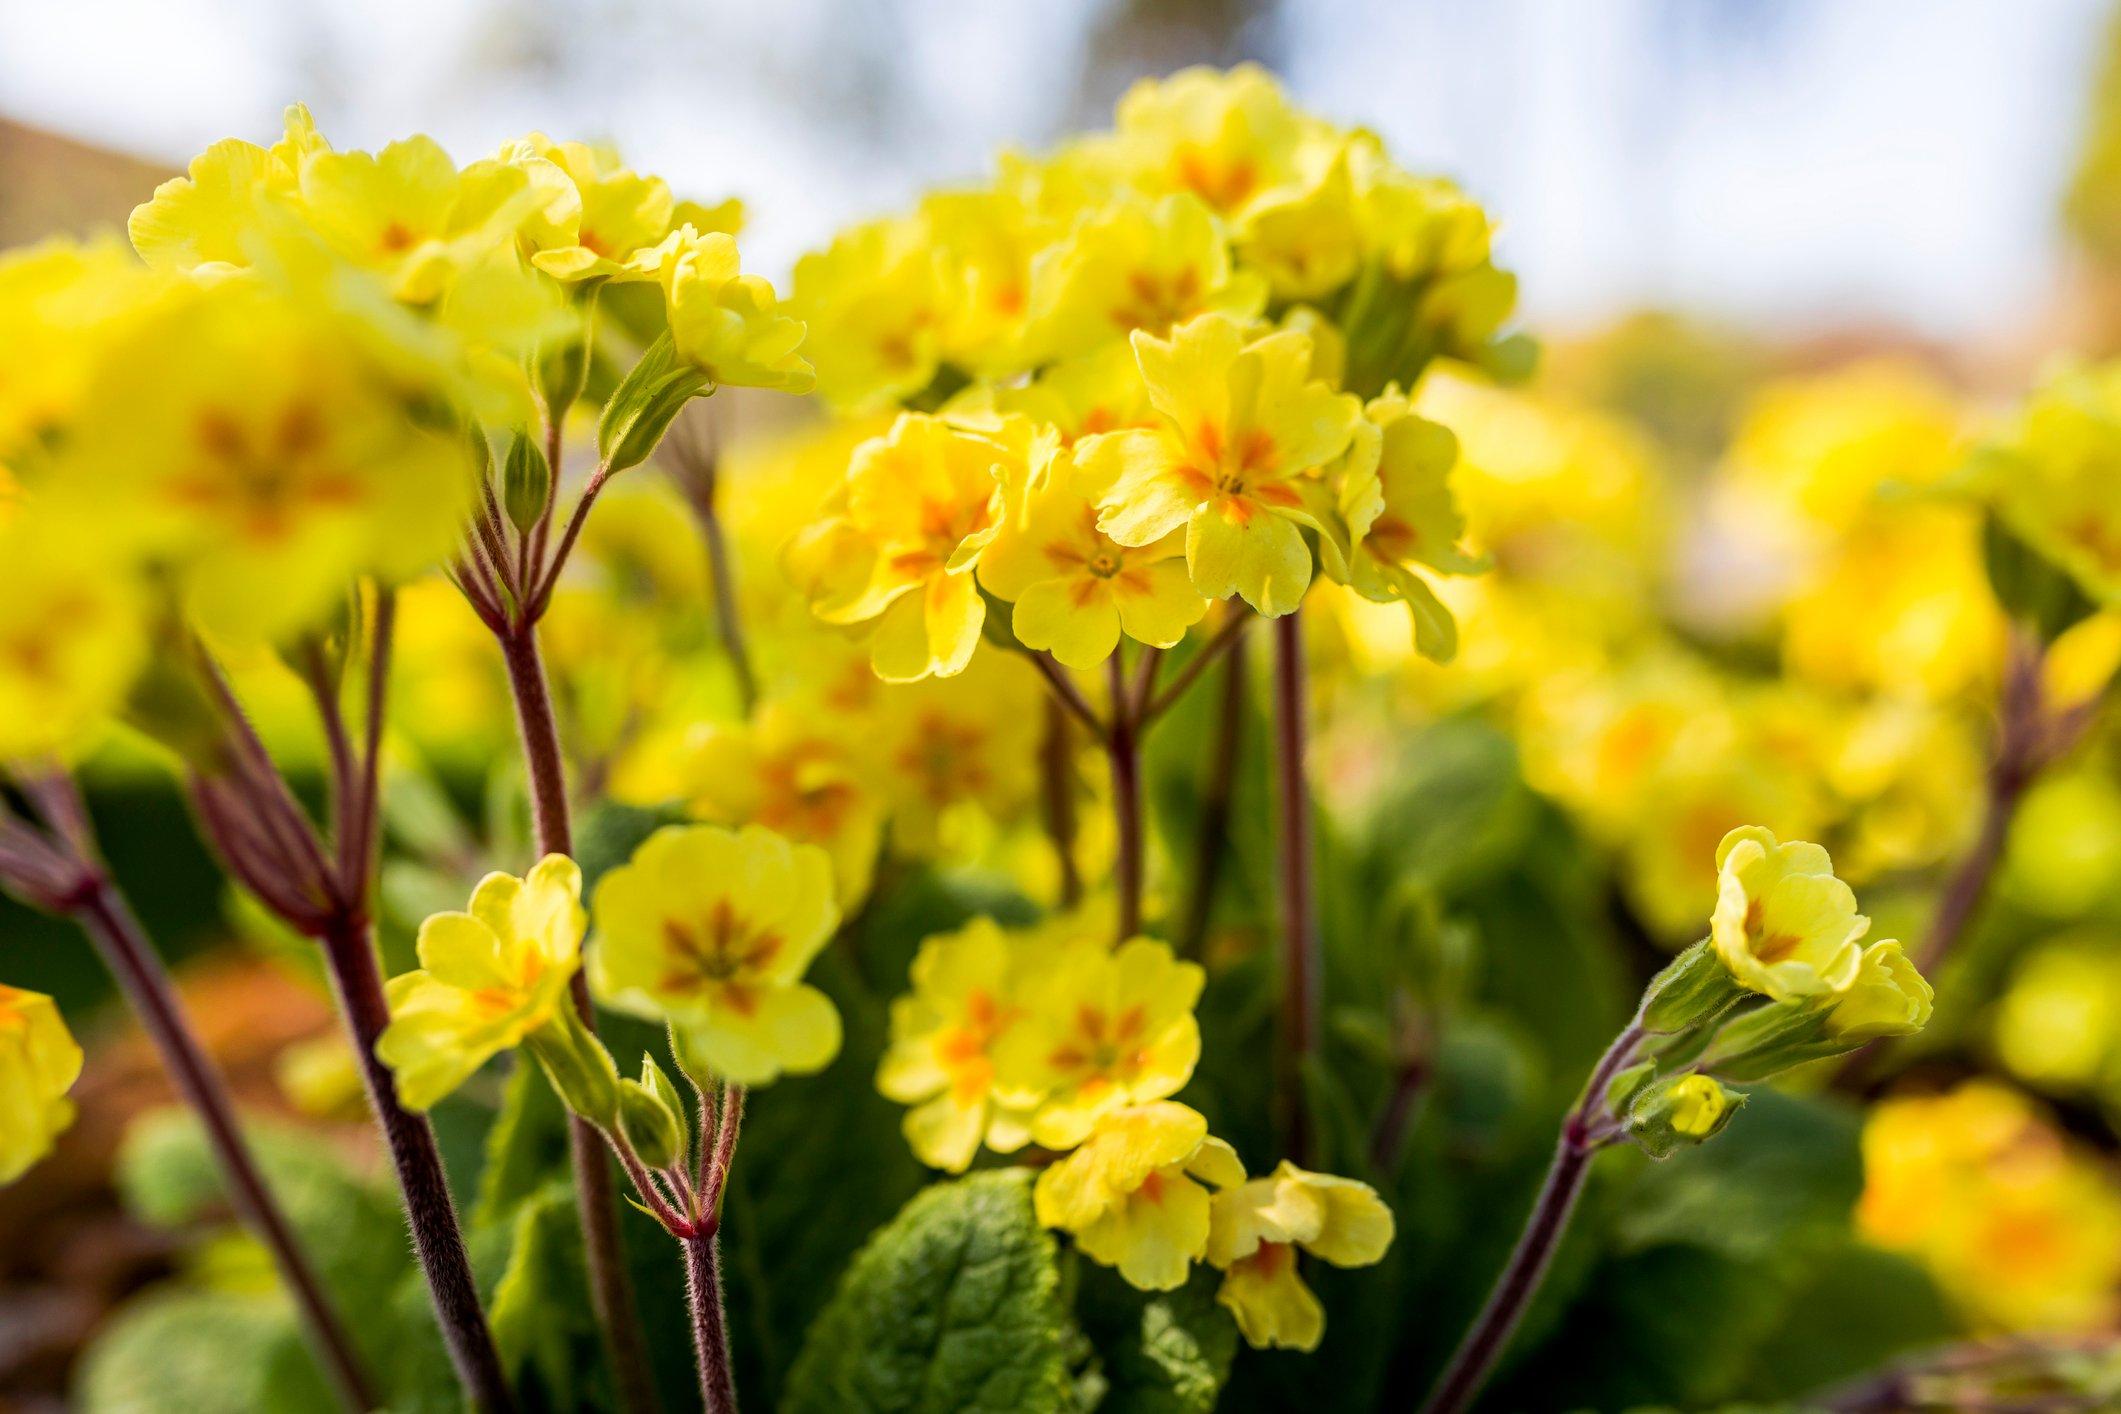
[1165, 1352]
[540, 1320]
[606, 836]
[1787, 1171]
[955, 1306]
[177, 1352]
[526, 1146]
[1860, 1308]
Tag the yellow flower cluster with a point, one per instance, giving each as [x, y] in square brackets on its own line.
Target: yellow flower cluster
[39, 1062]
[2020, 1226]
[2050, 477]
[1051, 1036]
[1140, 374]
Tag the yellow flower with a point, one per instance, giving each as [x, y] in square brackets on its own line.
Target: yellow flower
[1255, 1231]
[60, 305]
[1241, 425]
[726, 322]
[1395, 510]
[39, 1062]
[617, 210]
[985, 241]
[1887, 998]
[407, 213]
[1697, 1105]
[791, 769]
[919, 505]
[943, 1037]
[1225, 136]
[1080, 397]
[1132, 1194]
[1783, 923]
[872, 303]
[1308, 239]
[2020, 1225]
[1074, 587]
[2051, 477]
[273, 447]
[957, 756]
[489, 977]
[712, 930]
[1104, 1030]
[1137, 265]
[206, 222]
[72, 637]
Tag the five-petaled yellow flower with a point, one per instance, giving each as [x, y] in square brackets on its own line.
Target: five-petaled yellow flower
[943, 1037]
[1075, 588]
[1103, 1029]
[919, 505]
[1783, 923]
[1133, 1196]
[1255, 1231]
[489, 977]
[39, 1062]
[1241, 427]
[711, 930]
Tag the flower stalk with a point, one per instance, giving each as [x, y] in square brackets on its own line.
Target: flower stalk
[1302, 965]
[70, 878]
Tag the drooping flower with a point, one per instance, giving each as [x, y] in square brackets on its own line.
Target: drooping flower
[489, 977]
[712, 930]
[39, 1062]
[1255, 1231]
[1104, 1029]
[1783, 923]
[723, 321]
[1241, 425]
[1133, 1195]
[1396, 511]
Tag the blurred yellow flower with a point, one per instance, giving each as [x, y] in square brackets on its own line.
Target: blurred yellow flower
[1133, 1197]
[2020, 1226]
[1137, 265]
[2050, 476]
[712, 930]
[39, 1062]
[489, 977]
[72, 637]
[1255, 1231]
[872, 303]
[615, 212]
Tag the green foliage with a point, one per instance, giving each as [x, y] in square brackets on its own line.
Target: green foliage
[1163, 1352]
[955, 1306]
[177, 1352]
[549, 1351]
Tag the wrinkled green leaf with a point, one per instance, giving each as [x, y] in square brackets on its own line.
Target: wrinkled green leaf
[1165, 1352]
[955, 1306]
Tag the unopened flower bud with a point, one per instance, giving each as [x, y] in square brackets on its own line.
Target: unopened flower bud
[1686, 1109]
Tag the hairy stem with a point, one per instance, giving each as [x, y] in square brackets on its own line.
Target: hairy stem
[429, 1210]
[1302, 966]
[1490, 1332]
[1123, 749]
[105, 916]
[1216, 793]
[1056, 757]
[710, 1330]
[596, 1196]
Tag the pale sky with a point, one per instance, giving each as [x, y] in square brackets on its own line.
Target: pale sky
[1780, 161]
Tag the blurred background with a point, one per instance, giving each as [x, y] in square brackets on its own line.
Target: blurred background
[1780, 252]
